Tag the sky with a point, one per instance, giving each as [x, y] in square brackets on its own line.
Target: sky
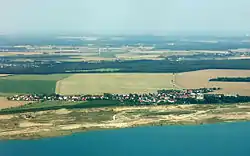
[124, 16]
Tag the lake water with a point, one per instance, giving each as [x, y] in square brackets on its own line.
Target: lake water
[231, 139]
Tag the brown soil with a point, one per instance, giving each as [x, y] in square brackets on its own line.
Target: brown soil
[4, 103]
[198, 79]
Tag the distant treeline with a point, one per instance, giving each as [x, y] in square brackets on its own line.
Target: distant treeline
[231, 79]
[159, 42]
[217, 99]
[143, 66]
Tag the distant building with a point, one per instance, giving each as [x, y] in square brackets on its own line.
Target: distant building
[200, 96]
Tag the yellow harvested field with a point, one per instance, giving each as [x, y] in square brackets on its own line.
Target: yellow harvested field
[123, 83]
[209, 51]
[19, 53]
[138, 57]
[4, 103]
[97, 58]
[198, 79]
[239, 57]
[120, 83]
[2, 75]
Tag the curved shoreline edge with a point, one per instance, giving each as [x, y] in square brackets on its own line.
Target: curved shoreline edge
[46, 124]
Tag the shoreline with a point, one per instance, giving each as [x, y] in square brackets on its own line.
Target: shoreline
[76, 132]
[48, 124]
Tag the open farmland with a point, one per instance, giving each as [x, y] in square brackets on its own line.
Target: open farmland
[198, 79]
[9, 53]
[3, 75]
[4, 103]
[30, 83]
[113, 83]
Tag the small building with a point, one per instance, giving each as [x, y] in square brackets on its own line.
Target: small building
[171, 101]
[200, 96]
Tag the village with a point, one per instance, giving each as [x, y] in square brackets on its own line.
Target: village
[162, 96]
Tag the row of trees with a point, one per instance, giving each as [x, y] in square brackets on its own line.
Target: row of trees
[215, 99]
[232, 79]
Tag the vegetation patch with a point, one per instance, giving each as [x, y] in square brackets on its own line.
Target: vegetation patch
[212, 120]
[27, 86]
[55, 105]
[95, 116]
[231, 79]
[110, 54]
[181, 112]
[42, 84]
[48, 77]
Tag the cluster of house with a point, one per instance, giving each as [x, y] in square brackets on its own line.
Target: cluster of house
[169, 96]
[164, 96]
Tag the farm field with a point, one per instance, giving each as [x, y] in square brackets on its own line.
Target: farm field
[36, 77]
[30, 83]
[4, 103]
[135, 56]
[123, 83]
[198, 79]
[119, 83]
[3, 75]
[9, 53]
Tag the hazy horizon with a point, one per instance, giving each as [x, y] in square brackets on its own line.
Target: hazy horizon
[159, 17]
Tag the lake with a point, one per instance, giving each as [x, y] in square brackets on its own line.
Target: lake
[227, 139]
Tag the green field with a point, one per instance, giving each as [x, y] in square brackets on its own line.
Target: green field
[30, 83]
[68, 84]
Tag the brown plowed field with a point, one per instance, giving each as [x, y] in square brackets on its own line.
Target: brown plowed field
[4, 103]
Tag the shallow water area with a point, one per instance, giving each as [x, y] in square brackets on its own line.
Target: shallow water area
[229, 139]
